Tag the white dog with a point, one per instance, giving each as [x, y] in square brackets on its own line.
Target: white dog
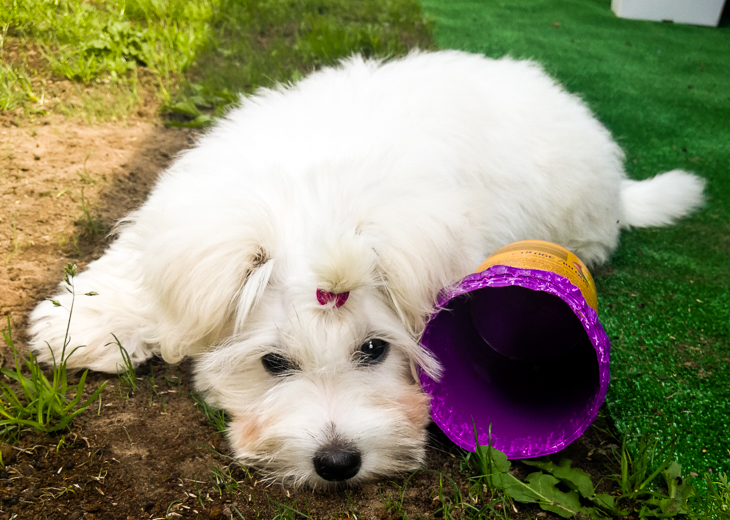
[296, 252]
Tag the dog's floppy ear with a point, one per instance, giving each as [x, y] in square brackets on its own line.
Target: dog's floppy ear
[412, 273]
[199, 290]
[409, 289]
[252, 290]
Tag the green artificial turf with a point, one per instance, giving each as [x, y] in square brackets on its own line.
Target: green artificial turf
[663, 89]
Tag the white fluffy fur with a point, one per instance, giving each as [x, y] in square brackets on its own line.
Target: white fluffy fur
[389, 180]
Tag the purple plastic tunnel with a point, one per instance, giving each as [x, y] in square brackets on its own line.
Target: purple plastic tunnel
[523, 352]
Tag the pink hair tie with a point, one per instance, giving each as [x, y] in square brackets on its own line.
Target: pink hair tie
[325, 297]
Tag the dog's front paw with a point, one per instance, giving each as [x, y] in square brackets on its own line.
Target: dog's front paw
[84, 331]
[58, 334]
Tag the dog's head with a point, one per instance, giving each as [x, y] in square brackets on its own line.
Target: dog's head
[318, 367]
[320, 372]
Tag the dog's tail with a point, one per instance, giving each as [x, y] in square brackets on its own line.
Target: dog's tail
[661, 200]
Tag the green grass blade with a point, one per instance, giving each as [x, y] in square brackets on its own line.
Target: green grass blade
[79, 392]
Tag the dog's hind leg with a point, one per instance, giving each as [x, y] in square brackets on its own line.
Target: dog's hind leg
[90, 310]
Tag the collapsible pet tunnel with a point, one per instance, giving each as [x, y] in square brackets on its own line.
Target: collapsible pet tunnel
[522, 350]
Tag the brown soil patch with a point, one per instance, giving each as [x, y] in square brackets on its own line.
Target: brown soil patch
[150, 454]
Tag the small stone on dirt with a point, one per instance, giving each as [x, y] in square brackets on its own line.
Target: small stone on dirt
[7, 454]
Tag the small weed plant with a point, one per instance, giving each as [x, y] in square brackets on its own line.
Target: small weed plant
[15, 241]
[230, 477]
[225, 481]
[43, 403]
[127, 373]
[716, 502]
[217, 418]
[570, 492]
[93, 225]
[288, 511]
[15, 88]
[640, 471]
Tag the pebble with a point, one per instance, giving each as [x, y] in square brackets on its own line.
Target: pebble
[7, 453]
[215, 512]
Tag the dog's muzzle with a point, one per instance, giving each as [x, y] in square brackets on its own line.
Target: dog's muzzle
[336, 461]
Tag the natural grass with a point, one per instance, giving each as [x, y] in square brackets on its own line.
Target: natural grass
[15, 88]
[16, 244]
[93, 226]
[217, 418]
[108, 49]
[225, 481]
[260, 43]
[86, 41]
[288, 511]
[31, 401]
[127, 372]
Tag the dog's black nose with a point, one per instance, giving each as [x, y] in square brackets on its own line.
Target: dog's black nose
[336, 463]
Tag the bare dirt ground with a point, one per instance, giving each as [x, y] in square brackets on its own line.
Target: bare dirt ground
[151, 453]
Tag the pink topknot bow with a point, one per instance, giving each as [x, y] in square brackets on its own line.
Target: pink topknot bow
[325, 297]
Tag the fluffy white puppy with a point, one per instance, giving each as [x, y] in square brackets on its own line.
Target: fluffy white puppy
[296, 252]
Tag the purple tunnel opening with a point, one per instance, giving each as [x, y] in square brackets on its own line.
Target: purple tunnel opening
[522, 352]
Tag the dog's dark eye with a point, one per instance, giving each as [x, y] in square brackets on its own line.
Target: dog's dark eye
[276, 364]
[373, 351]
